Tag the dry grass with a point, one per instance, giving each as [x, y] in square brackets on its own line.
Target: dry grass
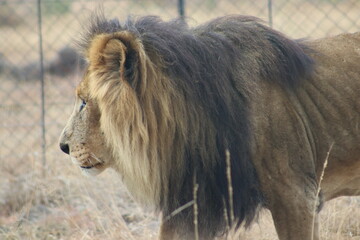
[68, 205]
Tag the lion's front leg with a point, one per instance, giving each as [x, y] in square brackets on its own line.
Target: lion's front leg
[290, 227]
[295, 217]
[167, 231]
[176, 229]
[182, 227]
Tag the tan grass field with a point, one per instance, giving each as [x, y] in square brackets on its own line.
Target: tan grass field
[55, 201]
[64, 204]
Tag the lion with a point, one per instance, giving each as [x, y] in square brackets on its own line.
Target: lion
[210, 124]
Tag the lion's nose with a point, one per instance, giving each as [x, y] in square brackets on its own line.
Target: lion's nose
[65, 148]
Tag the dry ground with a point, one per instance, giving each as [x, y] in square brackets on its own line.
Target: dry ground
[64, 204]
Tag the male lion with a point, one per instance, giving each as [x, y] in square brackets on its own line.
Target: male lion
[209, 124]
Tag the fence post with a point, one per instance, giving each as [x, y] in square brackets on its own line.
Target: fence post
[270, 13]
[41, 54]
[181, 8]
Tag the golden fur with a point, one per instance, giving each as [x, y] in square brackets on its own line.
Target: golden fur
[165, 125]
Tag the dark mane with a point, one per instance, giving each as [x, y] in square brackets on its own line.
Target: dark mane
[213, 65]
[281, 59]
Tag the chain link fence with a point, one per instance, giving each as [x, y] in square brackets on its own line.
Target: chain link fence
[39, 67]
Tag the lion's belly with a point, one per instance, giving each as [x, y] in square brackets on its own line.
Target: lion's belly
[341, 180]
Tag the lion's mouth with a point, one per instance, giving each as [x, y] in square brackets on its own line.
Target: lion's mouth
[97, 165]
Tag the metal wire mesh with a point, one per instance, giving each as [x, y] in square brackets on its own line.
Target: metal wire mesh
[30, 122]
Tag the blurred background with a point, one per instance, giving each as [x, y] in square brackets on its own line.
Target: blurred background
[42, 196]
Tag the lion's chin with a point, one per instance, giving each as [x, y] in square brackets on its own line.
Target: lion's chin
[97, 165]
[89, 169]
[92, 170]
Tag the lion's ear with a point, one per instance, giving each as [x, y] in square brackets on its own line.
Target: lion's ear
[115, 53]
[107, 53]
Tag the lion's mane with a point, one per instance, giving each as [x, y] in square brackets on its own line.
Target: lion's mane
[184, 104]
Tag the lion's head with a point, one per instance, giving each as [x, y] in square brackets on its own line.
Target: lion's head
[116, 122]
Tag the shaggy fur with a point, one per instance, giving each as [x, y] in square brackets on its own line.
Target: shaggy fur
[166, 102]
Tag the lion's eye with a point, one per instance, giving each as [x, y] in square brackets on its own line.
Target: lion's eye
[83, 104]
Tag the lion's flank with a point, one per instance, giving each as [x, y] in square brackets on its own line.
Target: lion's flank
[174, 99]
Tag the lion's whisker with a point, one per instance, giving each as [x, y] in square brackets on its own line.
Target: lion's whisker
[95, 157]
